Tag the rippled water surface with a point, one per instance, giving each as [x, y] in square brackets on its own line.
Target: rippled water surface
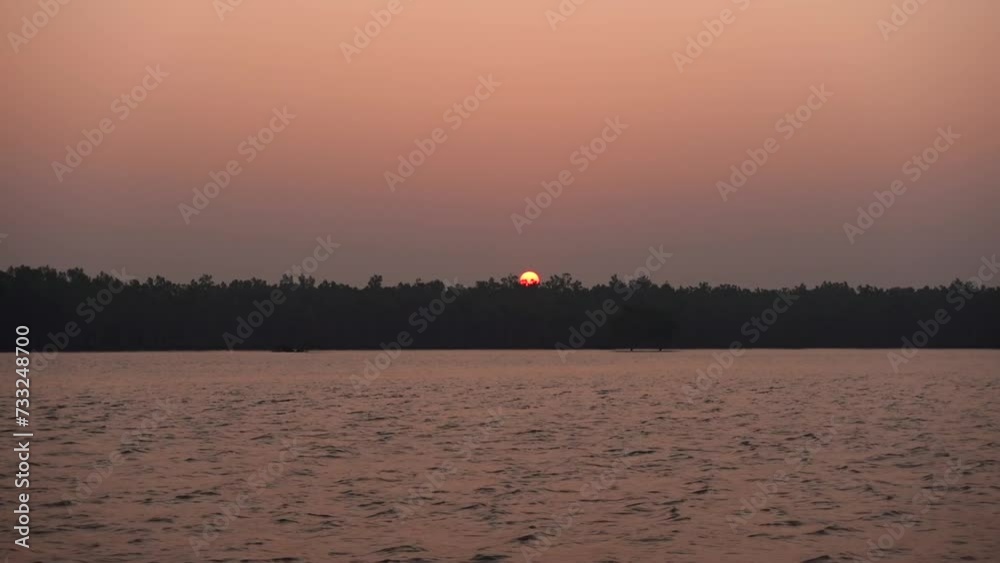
[818, 456]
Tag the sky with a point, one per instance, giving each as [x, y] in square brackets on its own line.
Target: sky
[310, 112]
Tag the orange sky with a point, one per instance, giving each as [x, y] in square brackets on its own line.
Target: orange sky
[656, 184]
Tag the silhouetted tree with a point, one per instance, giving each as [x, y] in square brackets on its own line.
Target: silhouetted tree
[157, 314]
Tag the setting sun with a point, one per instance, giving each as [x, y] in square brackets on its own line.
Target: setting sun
[530, 279]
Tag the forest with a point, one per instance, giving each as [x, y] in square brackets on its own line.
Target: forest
[71, 310]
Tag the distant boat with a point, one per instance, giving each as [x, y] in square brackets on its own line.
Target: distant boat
[288, 349]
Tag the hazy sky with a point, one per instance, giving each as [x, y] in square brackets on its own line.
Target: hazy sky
[220, 79]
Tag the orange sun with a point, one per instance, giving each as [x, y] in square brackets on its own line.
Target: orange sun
[530, 279]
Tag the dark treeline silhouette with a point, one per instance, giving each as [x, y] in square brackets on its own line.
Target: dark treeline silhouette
[157, 314]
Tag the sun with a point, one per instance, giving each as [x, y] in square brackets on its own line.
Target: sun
[530, 279]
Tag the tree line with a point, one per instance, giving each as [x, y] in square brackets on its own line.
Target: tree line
[72, 310]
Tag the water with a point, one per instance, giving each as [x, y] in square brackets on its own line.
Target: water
[492, 456]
